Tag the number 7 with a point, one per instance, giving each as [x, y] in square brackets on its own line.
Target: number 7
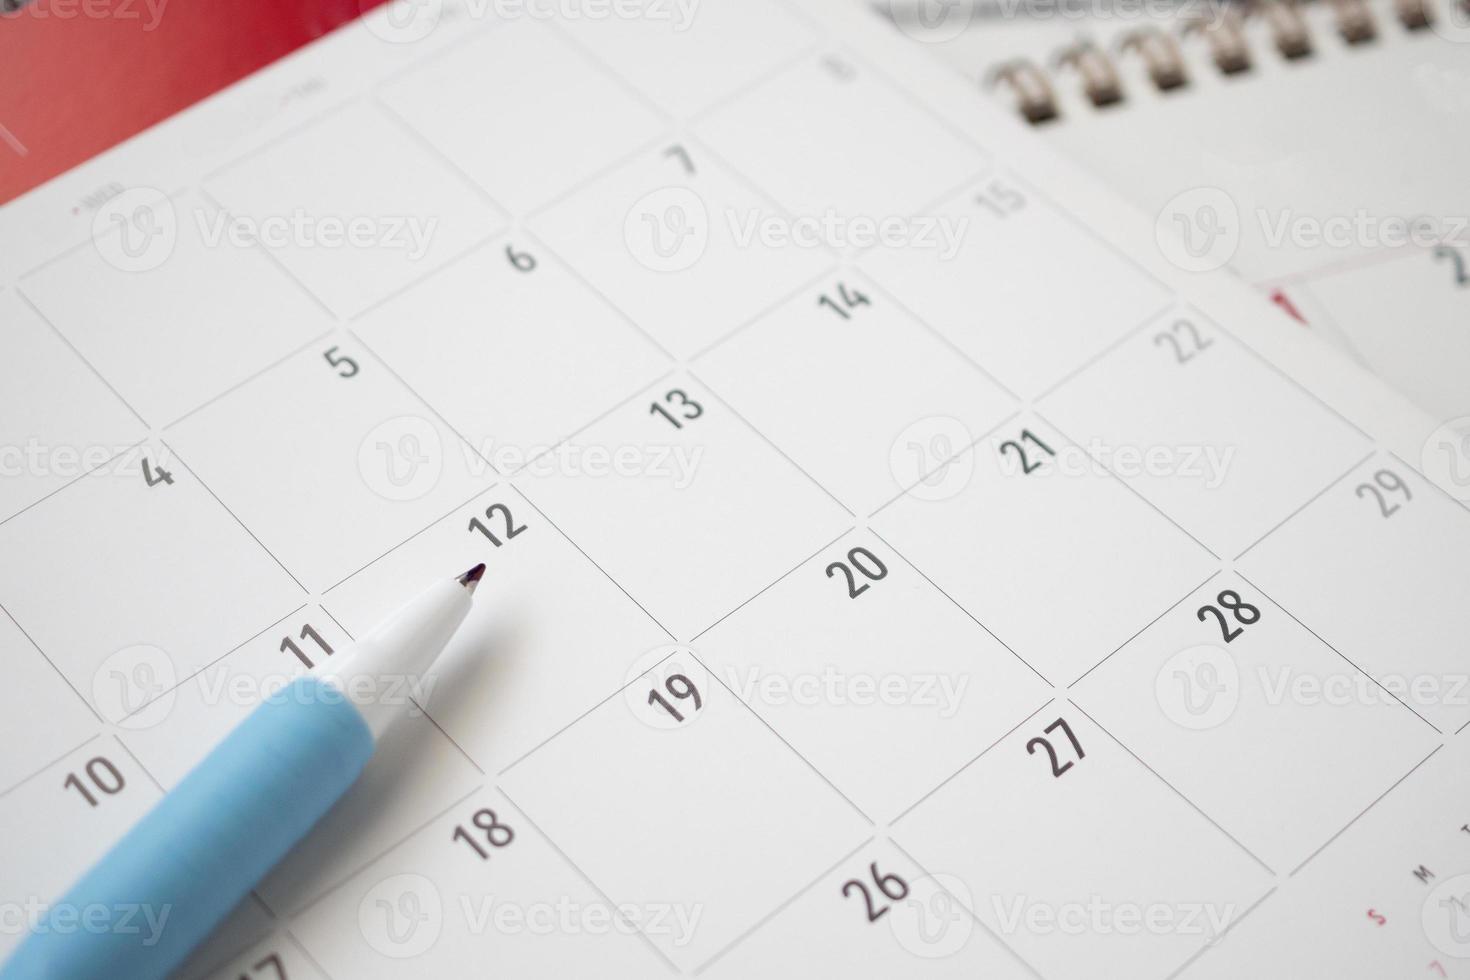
[1062, 723]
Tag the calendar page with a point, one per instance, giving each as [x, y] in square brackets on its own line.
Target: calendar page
[1332, 182]
[897, 566]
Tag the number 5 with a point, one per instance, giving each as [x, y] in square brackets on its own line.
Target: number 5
[346, 366]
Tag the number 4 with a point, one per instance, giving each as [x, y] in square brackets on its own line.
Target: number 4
[154, 477]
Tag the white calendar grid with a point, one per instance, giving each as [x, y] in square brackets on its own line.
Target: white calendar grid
[1014, 582]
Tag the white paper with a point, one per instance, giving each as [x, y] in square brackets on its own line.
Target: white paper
[994, 600]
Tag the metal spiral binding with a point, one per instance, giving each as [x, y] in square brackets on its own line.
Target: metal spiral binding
[1164, 61]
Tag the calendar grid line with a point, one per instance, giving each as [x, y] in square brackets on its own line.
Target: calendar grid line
[498, 484]
[290, 133]
[1398, 782]
[1334, 649]
[345, 631]
[1462, 504]
[939, 335]
[452, 740]
[739, 176]
[1130, 487]
[784, 575]
[277, 922]
[521, 493]
[587, 284]
[55, 490]
[606, 898]
[794, 750]
[1210, 944]
[255, 896]
[418, 396]
[666, 373]
[222, 657]
[116, 737]
[47, 767]
[564, 728]
[1145, 628]
[66, 251]
[1177, 792]
[360, 868]
[948, 779]
[294, 352]
[20, 294]
[437, 152]
[769, 916]
[770, 442]
[923, 869]
[920, 106]
[961, 608]
[1090, 233]
[470, 32]
[1102, 355]
[1289, 378]
[938, 201]
[787, 297]
[275, 261]
[184, 463]
[301, 948]
[971, 447]
[463, 255]
[796, 11]
[347, 317]
[598, 64]
[47, 657]
[697, 118]
[1309, 502]
[529, 215]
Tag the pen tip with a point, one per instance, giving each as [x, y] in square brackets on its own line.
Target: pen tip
[471, 578]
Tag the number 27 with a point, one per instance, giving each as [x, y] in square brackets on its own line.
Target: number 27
[1057, 770]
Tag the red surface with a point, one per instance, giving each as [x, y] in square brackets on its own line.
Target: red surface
[82, 75]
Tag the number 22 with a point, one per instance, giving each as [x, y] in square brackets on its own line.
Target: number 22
[1183, 353]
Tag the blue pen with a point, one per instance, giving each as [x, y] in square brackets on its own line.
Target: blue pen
[201, 849]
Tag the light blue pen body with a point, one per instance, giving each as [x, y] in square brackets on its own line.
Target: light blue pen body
[171, 879]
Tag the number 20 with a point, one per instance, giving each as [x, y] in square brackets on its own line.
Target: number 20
[868, 564]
